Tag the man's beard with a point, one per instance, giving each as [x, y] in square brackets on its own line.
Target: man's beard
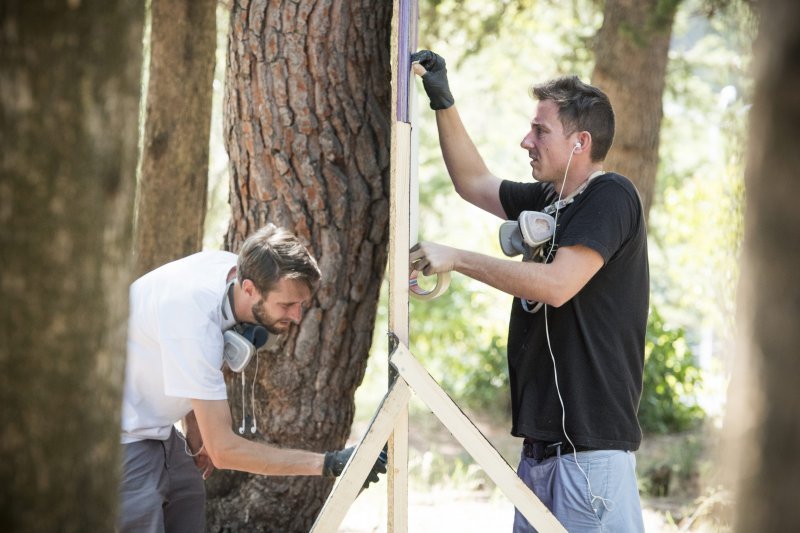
[263, 318]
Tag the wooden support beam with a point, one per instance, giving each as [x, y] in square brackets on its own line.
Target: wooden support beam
[391, 419]
[474, 442]
[401, 217]
[397, 516]
[349, 484]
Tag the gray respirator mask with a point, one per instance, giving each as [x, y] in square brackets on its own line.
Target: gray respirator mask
[527, 235]
[241, 343]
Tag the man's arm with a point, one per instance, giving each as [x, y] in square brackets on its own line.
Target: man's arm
[229, 451]
[471, 177]
[195, 446]
[552, 283]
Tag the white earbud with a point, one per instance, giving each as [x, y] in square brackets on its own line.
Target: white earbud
[578, 145]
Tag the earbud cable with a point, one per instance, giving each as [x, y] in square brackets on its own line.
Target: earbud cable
[608, 504]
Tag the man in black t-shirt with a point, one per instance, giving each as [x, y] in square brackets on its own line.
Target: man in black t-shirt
[575, 362]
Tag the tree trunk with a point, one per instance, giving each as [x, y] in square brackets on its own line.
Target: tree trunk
[70, 75]
[631, 52]
[769, 305]
[173, 183]
[307, 126]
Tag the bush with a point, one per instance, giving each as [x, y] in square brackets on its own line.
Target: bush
[671, 378]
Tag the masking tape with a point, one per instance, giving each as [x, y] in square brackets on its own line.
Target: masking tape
[442, 282]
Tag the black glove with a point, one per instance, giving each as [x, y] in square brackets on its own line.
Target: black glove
[335, 461]
[435, 80]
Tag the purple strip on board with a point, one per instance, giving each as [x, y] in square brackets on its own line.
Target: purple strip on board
[406, 45]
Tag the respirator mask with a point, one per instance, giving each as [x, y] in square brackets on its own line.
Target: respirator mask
[527, 235]
[241, 343]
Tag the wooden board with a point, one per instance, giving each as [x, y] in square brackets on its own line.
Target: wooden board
[474, 442]
[348, 485]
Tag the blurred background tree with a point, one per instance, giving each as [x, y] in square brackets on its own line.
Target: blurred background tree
[69, 101]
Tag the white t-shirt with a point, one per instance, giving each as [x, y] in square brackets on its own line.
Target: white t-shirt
[175, 343]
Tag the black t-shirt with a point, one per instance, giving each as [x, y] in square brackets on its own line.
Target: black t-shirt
[597, 337]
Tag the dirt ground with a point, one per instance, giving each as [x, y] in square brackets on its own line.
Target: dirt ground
[445, 511]
[449, 493]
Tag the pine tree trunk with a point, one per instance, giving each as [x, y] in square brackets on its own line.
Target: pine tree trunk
[631, 52]
[307, 125]
[769, 304]
[171, 203]
[70, 76]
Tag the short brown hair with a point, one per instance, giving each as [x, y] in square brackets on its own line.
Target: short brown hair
[272, 254]
[581, 107]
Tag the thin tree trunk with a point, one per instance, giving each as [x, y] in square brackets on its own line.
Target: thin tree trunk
[307, 125]
[769, 305]
[171, 203]
[631, 52]
[69, 92]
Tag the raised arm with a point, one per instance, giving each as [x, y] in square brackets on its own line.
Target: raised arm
[471, 178]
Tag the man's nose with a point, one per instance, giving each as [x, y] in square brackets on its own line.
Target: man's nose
[296, 313]
[526, 142]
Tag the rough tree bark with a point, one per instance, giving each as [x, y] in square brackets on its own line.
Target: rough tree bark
[69, 93]
[764, 398]
[631, 52]
[307, 126]
[171, 203]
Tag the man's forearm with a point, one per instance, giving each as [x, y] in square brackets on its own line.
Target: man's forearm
[232, 452]
[265, 459]
[471, 177]
[552, 283]
[524, 280]
[463, 161]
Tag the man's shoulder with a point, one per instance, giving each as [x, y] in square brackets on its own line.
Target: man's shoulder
[197, 274]
[616, 179]
[197, 263]
[612, 184]
[516, 196]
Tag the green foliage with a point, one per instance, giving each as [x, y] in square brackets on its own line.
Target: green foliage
[671, 380]
[458, 345]
[696, 223]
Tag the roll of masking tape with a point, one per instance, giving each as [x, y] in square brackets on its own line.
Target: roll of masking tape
[442, 282]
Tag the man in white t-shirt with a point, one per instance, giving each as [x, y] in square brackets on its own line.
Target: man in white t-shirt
[178, 314]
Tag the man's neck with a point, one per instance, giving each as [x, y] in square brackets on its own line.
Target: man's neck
[576, 178]
[234, 295]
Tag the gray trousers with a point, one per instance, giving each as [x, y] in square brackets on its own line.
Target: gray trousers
[162, 490]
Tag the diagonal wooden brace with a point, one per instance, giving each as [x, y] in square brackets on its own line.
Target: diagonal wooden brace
[474, 441]
[349, 484]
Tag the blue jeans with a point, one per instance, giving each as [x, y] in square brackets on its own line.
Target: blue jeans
[161, 490]
[610, 504]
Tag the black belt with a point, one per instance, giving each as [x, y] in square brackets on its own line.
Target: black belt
[540, 450]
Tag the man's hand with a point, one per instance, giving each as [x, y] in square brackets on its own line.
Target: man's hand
[431, 258]
[204, 463]
[434, 79]
[335, 461]
[194, 445]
